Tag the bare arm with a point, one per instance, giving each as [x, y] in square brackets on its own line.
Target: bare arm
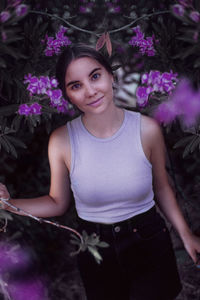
[58, 199]
[153, 139]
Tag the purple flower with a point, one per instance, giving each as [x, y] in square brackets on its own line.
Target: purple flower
[195, 35]
[184, 102]
[21, 10]
[145, 45]
[55, 96]
[195, 16]
[155, 81]
[40, 85]
[54, 45]
[24, 109]
[35, 109]
[29, 289]
[4, 16]
[12, 257]
[63, 107]
[142, 94]
[178, 10]
[165, 113]
[4, 36]
[82, 9]
[117, 9]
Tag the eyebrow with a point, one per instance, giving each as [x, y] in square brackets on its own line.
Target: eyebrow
[76, 81]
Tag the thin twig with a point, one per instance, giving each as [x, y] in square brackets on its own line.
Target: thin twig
[41, 220]
[138, 19]
[92, 32]
[63, 20]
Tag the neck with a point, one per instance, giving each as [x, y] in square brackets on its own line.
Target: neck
[105, 124]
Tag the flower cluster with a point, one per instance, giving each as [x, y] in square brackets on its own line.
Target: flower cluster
[155, 81]
[33, 109]
[54, 44]
[14, 8]
[43, 85]
[145, 45]
[184, 102]
[186, 10]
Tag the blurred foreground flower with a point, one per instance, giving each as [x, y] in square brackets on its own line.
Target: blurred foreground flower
[183, 103]
[14, 260]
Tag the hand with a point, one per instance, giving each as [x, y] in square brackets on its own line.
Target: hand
[192, 246]
[4, 194]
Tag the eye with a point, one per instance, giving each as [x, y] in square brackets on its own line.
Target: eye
[75, 86]
[96, 76]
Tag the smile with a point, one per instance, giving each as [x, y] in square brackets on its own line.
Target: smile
[96, 102]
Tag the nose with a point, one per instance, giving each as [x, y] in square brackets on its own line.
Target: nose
[90, 90]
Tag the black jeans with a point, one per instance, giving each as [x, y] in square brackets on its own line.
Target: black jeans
[139, 264]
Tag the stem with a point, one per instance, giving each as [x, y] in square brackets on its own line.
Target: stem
[138, 19]
[41, 220]
[93, 33]
[63, 20]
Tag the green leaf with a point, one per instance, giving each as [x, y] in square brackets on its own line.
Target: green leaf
[197, 63]
[16, 141]
[182, 142]
[8, 146]
[95, 253]
[9, 109]
[103, 244]
[188, 147]
[195, 144]
[17, 122]
[2, 63]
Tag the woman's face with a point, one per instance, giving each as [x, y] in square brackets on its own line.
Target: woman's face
[89, 85]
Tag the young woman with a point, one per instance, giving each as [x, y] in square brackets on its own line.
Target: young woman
[114, 162]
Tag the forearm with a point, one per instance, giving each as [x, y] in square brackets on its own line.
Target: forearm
[42, 207]
[168, 205]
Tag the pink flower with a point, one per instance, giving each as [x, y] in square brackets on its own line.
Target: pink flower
[4, 16]
[178, 10]
[21, 10]
[195, 16]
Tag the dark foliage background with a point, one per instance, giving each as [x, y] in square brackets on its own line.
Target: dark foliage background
[24, 140]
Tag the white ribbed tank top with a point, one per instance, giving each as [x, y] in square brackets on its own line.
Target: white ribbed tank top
[111, 178]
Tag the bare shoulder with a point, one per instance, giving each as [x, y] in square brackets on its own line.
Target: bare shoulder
[150, 128]
[59, 144]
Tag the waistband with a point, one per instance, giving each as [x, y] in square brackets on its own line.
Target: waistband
[135, 220]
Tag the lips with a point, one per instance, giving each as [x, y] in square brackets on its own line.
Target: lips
[96, 102]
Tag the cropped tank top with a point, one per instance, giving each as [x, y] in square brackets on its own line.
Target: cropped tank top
[111, 178]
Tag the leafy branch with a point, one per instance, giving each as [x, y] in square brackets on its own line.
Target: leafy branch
[83, 241]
